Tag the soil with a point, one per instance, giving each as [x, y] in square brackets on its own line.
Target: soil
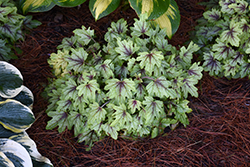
[218, 134]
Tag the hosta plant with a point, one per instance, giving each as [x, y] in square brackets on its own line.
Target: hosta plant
[224, 37]
[135, 84]
[11, 28]
[163, 12]
[16, 116]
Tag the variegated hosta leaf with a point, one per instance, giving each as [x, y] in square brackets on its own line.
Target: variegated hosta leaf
[36, 5]
[68, 3]
[11, 80]
[101, 8]
[30, 146]
[170, 20]
[15, 116]
[154, 8]
[5, 161]
[15, 153]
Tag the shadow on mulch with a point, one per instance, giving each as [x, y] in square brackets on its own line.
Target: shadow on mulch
[219, 130]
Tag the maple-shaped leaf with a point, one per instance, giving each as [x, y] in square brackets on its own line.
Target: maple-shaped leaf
[116, 30]
[89, 90]
[245, 69]
[119, 90]
[195, 71]
[69, 90]
[160, 87]
[240, 6]
[60, 119]
[126, 48]
[106, 68]
[76, 60]
[180, 110]
[188, 87]
[211, 65]
[121, 70]
[64, 104]
[84, 34]
[76, 119]
[121, 117]
[222, 50]
[67, 43]
[212, 15]
[110, 131]
[149, 60]
[238, 57]
[232, 35]
[96, 113]
[225, 6]
[57, 61]
[186, 54]
[141, 26]
[88, 135]
[230, 68]
[154, 109]
[162, 44]
[134, 105]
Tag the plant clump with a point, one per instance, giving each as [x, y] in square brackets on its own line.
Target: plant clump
[135, 85]
[224, 37]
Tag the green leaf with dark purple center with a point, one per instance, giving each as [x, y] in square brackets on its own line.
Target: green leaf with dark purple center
[89, 89]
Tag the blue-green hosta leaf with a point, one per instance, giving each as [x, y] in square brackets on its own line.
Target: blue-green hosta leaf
[76, 60]
[96, 113]
[160, 88]
[36, 5]
[110, 131]
[119, 90]
[101, 8]
[222, 50]
[232, 35]
[186, 54]
[15, 116]
[31, 148]
[11, 80]
[85, 35]
[154, 109]
[126, 48]
[117, 29]
[134, 105]
[170, 20]
[212, 15]
[68, 3]
[188, 87]
[14, 153]
[89, 90]
[60, 119]
[106, 68]
[5, 133]
[141, 26]
[5, 161]
[154, 8]
[195, 71]
[149, 60]
[211, 65]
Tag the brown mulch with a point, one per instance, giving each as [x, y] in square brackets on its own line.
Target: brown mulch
[219, 130]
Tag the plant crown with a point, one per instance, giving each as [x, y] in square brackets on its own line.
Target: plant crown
[224, 37]
[135, 85]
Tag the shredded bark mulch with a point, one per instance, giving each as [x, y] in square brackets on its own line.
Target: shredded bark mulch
[219, 130]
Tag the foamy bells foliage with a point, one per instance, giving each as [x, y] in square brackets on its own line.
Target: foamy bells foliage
[135, 85]
[16, 101]
[224, 37]
[163, 12]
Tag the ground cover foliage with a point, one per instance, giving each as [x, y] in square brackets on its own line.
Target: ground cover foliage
[218, 134]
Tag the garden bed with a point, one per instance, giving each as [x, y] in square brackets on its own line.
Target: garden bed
[218, 134]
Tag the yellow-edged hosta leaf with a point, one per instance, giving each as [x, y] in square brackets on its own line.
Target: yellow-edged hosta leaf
[36, 5]
[101, 8]
[170, 20]
[68, 3]
[154, 8]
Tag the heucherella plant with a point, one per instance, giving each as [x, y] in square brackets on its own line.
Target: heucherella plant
[16, 101]
[11, 28]
[135, 85]
[163, 12]
[224, 37]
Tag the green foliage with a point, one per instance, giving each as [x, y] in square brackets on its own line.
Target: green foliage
[16, 100]
[11, 28]
[135, 85]
[163, 12]
[224, 37]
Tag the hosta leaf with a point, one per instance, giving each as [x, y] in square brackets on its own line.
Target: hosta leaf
[101, 8]
[110, 131]
[154, 109]
[15, 153]
[5, 133]
[160, 88]
[134, 105]
[68, 3]
[120, 89]
[31, 148]
[170, 20]
[96, 113]
[211, 65]
[36, 5]
[89, 90]
[59, 118]
[76, 61]
[154, 8]
[5, 161]
[150, 60]
[15, 116]
[126, 49]
[84, 34]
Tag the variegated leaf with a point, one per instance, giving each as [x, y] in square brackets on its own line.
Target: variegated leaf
[36, 5]
[68, 3]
